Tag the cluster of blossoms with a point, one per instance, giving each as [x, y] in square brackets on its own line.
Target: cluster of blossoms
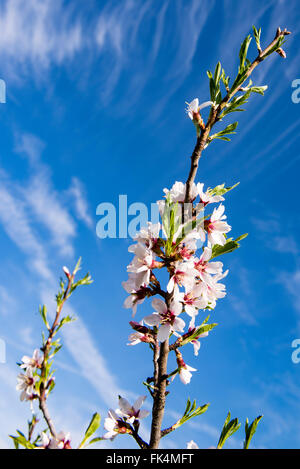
[193, 281]
[125, 419]
[27, 384]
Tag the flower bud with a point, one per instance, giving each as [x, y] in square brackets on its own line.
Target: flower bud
[281, 52]
[66, 271]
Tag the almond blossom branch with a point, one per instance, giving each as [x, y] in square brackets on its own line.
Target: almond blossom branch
[42, 397]
[214, 116]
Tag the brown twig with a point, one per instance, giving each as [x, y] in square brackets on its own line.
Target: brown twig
[159, 396]
[46, 349]
[216, 111]
[142, 444]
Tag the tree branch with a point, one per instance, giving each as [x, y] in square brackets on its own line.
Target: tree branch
[215, 112]
[42, 397]
[159, 396]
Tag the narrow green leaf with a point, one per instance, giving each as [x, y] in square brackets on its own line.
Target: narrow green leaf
[250, 430]
[92, 428]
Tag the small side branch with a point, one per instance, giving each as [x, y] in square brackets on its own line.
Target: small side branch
[216, 111]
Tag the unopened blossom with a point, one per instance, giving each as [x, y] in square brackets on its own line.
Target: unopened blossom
[26, 384]
[193, 110]
[114, 425]
[66, 271]
[216, 226]
[32, 362]
[205, 197]
[184, 370]
[166, 318]
[132, 412]
[61, 442]
[192, 445]
[141, 334]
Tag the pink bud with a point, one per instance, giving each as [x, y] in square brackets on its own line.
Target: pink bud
[66, 271]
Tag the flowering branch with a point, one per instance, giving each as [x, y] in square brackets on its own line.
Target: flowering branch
[245, 71]
[38, 380]
[184, 245]
[184, 226]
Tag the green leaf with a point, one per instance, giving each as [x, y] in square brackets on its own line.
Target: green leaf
[221, 189]
[21, 440]
[230, 129]
[93, 426]
[198, 331]
[229, 428]
[64, 321]
[243, 53]
[190, 412]
[250, 430]
[78, 266]
[94, 440]
[217, 74]
[229, 246]
[259, 89]
[43, 313]
[257, 34]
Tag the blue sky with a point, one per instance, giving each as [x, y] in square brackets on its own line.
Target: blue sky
[96, 92]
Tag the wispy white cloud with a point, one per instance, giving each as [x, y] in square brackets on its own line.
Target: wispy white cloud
[7, 301]
[16, 224]
[42, 199]
[37, 33]
[29, 146]
[77, 193]
[47, 206]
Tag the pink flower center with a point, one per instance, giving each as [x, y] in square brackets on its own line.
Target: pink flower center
[188, 299]
[168, 318]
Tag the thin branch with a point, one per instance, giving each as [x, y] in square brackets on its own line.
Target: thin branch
[216, 111]
[142, 444]
[46, 349]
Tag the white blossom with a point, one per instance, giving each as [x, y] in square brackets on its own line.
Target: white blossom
[32, 362]
[205, 197]
[216, 226]
[132, 412]
[167, 319]
[61, 442]
[178, 191]
[26, 384]
[114, 425]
